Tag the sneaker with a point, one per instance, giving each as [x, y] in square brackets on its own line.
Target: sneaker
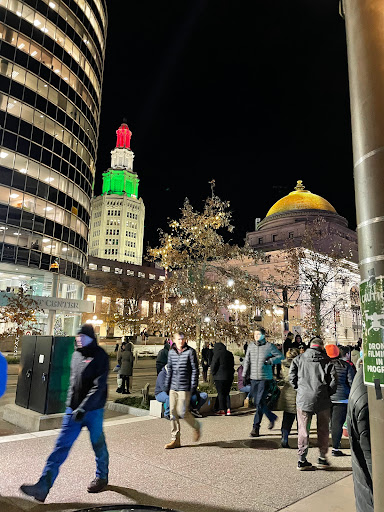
[175, 443]
[119, 390]
[272, 424]
[304, 465]
[97, 485]
[255, 432]
[284, 443]
[35, 491]
[338, 453]
[220, 413]
[196, 413]
[228, 412]
[197, 432]
[322, 463]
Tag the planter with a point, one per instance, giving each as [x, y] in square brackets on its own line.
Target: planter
[127, 409]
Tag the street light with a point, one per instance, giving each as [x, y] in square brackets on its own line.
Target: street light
[230, 283]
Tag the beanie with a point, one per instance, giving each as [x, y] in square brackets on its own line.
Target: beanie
[332, 350]
[87, 329]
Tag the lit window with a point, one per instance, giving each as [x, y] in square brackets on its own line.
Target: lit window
[105, 269]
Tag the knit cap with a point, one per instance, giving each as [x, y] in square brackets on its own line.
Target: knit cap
[332, 350]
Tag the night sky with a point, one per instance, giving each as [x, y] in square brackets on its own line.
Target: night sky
[253, 94]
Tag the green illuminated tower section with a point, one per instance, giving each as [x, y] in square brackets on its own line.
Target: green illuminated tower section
[120, 182]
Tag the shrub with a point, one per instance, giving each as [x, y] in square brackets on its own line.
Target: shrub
[239, 353]
[134, 401]
[13, 360]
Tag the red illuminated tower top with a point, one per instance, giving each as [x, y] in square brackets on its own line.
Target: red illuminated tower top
[123, 137]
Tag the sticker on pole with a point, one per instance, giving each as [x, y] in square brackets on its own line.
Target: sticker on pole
[372, 310]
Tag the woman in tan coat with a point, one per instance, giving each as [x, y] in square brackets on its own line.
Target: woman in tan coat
[287, 399]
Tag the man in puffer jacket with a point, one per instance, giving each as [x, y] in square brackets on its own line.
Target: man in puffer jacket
[180, 383]
[86, 398]
[360, 439]
[345, 375]
[258, 362]
[314, 377]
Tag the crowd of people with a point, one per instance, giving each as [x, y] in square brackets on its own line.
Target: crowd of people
[315, 380]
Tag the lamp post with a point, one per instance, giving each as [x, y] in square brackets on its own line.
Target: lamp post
[365, 43]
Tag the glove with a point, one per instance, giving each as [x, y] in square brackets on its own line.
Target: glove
[78, 414]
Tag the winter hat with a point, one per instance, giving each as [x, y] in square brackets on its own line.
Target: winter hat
[332, 350]
[87, 329]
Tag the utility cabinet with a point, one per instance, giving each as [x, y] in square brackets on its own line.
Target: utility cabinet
[44, 371]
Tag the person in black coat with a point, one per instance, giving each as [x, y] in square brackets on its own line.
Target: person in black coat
[223, 369]
[206, 359]
[360, 441]
[162, 357]
[86, 398]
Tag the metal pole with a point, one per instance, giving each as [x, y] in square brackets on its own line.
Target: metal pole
[365, 41]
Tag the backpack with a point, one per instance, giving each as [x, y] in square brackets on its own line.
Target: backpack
[272, 395]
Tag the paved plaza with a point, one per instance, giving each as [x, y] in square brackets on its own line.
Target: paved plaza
[226, 471]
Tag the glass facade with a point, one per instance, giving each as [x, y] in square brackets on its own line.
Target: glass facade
[51, 70]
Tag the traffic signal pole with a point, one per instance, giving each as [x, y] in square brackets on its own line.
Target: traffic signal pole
[364, 21]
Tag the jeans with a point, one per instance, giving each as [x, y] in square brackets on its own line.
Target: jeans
[69, 432]
[259, 390]
[164, 398]
[288, 419]
[246, 389]
[198, 403]
[338, 415]
[223, 388]
[304, 425]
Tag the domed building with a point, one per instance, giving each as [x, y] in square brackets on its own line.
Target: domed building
[288, 219]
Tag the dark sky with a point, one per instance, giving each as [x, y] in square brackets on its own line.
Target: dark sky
[253, 94]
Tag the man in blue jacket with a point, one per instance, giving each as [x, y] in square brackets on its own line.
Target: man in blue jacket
[257, 365]
[86, 398]
[180, 383]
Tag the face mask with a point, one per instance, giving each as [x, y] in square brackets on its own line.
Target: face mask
[261, 337]
[82, 340]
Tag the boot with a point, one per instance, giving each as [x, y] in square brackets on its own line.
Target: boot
[175, 443]
[284, 439]
[119, 390]
[35, 491]
[97, 485]
[255, 432]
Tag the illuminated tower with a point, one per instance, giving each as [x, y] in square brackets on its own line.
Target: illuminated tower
[117, 218]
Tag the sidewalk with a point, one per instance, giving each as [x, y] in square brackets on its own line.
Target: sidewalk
[226, 471]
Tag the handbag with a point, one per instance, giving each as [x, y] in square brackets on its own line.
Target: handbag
[272, 395]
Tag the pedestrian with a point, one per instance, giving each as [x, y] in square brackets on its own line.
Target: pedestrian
[258, 362]
[3, 374]
[314, 377]
[242, 385]
[206, 359]
[345, 375]
[245, 348]
[116, 347]
[198, 399]
[223, 369]
[180, 383]
[299, 343]
[276, 368]
[86, 398]
[287, 399]
[126, 368]
[162, 357]
[355, 355]
[360, 441]
[288, 342]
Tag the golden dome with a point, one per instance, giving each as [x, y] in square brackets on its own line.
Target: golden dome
[300, 199]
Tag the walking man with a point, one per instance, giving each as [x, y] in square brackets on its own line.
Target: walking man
[180, 383]
[314, 377]
[86, 398]
[258, 362]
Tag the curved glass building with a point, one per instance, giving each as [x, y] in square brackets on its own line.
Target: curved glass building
[51, 72]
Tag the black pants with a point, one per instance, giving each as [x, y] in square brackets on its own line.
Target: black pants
[288, 419]
[125, 383]
[338, 415]
[276, 368]
[223, 388]
[205, 372]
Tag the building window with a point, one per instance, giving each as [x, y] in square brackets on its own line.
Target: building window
[161, 278]
[140, 274]
[151, 276]
[290, 234]
[260, 240]
[92, 266]
[144, 308]
[118, 270]
[130, 273]
[156, 308]
[105, 269]
[91, 298]
[274, 238]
